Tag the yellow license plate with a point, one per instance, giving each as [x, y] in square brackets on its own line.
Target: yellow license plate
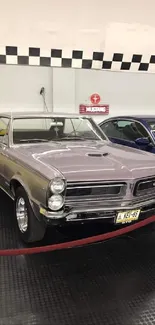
[127, 216]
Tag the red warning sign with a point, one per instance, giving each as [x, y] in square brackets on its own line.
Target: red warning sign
[95, 99]
[94, 109]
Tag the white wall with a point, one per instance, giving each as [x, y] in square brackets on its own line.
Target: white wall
[84, 24]
[126, 27]
[125, 93]
[20, 87]
[66, 89]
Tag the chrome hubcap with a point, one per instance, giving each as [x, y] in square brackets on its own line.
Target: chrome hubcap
[21, 214]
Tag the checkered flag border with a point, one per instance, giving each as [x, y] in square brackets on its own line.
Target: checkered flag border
[35, 56]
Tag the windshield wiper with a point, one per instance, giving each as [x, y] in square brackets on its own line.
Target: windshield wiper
[76, 138]
[33, 140]
[67, 138]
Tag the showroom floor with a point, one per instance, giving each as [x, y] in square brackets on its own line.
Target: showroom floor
[106, 283]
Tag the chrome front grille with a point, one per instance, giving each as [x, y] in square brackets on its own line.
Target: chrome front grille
[146, 186]
[98, 190]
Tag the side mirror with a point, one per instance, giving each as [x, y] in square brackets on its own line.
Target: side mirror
[142, 141]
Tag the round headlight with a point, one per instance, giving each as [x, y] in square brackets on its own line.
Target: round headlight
[57, 185]
[55, 202]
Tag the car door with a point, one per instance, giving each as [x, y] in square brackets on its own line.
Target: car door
[125, 132]
[4, 124]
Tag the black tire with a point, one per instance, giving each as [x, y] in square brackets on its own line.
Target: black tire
[35, 229]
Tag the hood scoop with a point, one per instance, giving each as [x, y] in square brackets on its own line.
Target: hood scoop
[97, 154]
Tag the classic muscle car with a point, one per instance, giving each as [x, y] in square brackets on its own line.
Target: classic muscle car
[136, 131]
[61, 169]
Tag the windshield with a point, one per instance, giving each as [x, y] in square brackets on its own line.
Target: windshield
[29, 130]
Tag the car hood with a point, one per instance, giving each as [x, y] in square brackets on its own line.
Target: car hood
[88, 160]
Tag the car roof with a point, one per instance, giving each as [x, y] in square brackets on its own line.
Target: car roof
[136, 117]
[144, 116]
[35, 114]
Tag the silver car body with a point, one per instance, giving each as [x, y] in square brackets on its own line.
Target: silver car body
[98, 165]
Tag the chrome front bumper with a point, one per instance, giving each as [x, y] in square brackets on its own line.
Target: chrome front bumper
[100, 211]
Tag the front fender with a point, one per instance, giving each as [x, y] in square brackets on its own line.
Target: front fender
[16, 181]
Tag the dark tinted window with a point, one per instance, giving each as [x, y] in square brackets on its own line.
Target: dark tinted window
[124, 129]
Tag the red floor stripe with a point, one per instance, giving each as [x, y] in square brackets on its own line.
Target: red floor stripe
[75, 243]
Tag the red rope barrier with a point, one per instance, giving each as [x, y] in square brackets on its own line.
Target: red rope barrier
[75, 243]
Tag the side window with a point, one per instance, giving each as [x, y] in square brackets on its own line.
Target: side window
[141, 130]
[131, 130]
[4, 122]
[125, 130]
[111, 129]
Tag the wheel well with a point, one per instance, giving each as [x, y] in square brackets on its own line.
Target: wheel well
[14, 184]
